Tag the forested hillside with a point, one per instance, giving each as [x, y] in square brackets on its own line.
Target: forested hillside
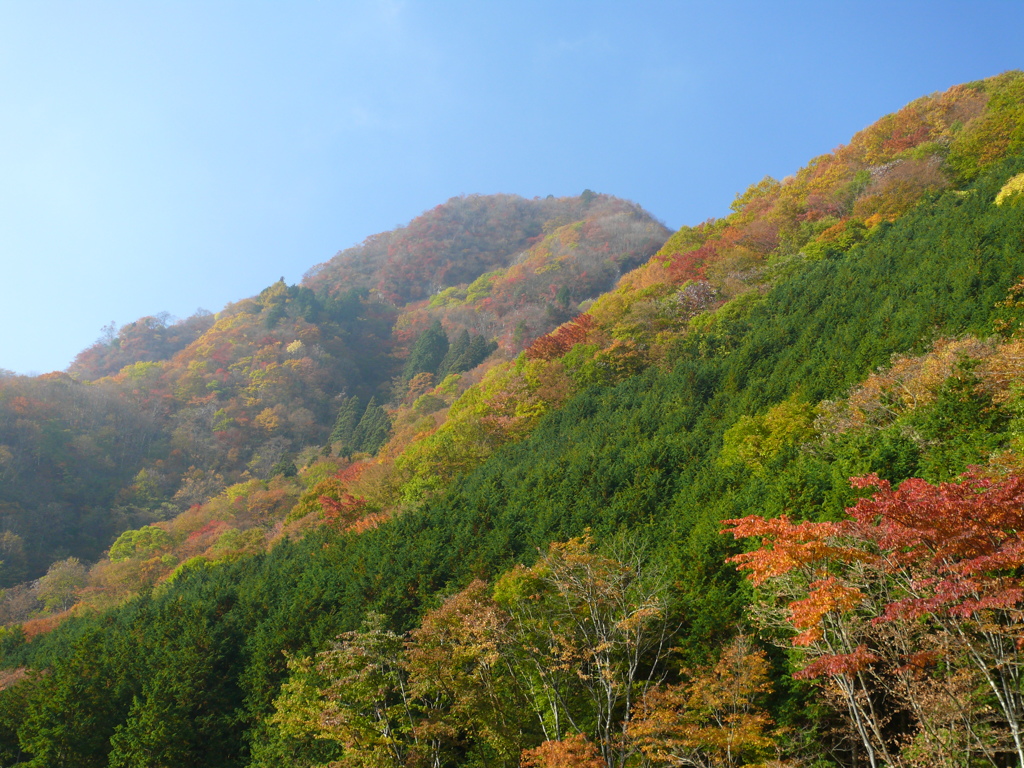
[535, 483]
[163, 414]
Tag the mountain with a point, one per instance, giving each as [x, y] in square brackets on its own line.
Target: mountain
[160, 415]
[465, 496]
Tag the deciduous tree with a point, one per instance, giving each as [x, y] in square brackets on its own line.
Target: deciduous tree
[589, 632]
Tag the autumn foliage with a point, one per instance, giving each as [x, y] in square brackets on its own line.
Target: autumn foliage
[562, 339]
[715, 717]
[571, 752]
[917, 573]
[512, 557]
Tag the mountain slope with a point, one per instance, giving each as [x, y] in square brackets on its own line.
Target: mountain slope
[173, 412]
[748, 367]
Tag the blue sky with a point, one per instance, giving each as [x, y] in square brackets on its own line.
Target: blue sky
[166, 156]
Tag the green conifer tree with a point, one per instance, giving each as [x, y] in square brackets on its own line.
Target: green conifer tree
[456, 352]
[345, 426]
[479, 349]
[373, 429]
[428, 351]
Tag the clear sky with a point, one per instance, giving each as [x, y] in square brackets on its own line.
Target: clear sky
[165, 156]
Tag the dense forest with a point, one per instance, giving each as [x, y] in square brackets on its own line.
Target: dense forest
[540, 483]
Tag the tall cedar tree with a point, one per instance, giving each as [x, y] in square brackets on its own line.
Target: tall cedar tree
[373, 429]
[345, 425]
[427, 353]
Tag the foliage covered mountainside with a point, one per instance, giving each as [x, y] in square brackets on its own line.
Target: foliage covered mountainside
[483, 490]
[173, 412]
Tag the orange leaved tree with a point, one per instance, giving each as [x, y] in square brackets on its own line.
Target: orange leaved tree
[713, 718]
[911, 609]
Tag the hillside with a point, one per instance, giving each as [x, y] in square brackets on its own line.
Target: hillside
[161, 415]
[459, 498]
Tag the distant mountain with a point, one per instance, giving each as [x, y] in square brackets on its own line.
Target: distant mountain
[145, 340]
[455, 243]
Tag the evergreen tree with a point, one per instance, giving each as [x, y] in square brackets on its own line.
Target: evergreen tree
[428, 351]
[373, 429]
[75, 707]
[456, 352]
[479, 349]
[345, 425]
[465, 353]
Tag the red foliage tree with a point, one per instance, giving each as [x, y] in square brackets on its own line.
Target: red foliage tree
[691, 265]
[915, 568]
[344, 511]
[562, 339]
